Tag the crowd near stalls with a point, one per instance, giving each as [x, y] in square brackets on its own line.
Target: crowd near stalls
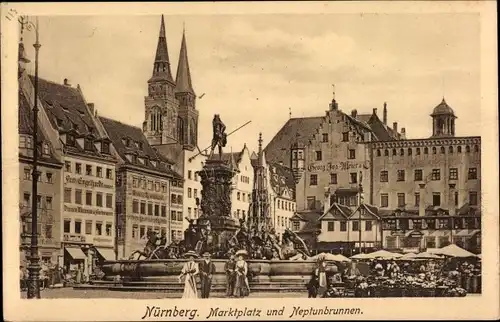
[446, 272]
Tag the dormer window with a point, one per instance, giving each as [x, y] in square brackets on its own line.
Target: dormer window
[129, 157]
[59, 122]
[45, 149]
[88, 145]
[134, 158]
[139, 145]
[75, 126]
[70, 140]
[153, 162]
[141, 160]
[105, 147]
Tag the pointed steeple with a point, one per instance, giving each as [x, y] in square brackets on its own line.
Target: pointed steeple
[161, 67]
[183, 78]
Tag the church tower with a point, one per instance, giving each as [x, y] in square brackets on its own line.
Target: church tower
[443, 120]
[161, 106]
[187, 119]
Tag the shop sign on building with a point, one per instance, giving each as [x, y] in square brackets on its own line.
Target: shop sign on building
[339, 166]
[87, 183]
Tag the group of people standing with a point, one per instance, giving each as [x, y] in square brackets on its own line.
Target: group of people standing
[236, 275]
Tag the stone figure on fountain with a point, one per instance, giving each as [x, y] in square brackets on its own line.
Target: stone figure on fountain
[219, 135]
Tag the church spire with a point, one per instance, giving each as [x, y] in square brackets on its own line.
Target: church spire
[161, 67]
[183, 78]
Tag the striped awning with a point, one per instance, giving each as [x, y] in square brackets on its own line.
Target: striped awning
[107, 253]
[75, 253]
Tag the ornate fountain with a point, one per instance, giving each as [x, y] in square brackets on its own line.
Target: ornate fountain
[271, 267]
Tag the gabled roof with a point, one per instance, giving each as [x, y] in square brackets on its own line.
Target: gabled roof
[281, 178]
[138, 145]
[278, 150]
[311, 219]
[337, 208]
[25, 124]
[368, 211]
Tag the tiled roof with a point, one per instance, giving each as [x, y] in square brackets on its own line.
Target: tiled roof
[65, 107]
[442, 109]
[121, 133]
[25, 123]
[311, 219]
[281, 177]
[278, 150]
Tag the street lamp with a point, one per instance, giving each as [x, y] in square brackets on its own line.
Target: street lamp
[34, 265]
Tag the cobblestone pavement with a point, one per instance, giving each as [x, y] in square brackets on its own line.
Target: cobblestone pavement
[70, 293]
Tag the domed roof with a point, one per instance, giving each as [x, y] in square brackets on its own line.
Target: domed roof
[443, 109]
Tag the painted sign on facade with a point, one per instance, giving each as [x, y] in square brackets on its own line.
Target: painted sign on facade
[339, 166]
[87, 183]
[82, 210]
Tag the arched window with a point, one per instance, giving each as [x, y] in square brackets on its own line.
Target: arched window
[459, 149]
[426, 150]
[434, 150]
[386, 152]
[476, 148]
[410, 151]
[401, 152]
[442, 150]
[450, 149]
[393, 151]
[418, 151]
[378, 152]
[467, 148]
[192, 132]
[180, 130]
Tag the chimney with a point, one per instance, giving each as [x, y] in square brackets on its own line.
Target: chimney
[421, 203]
[451, 200]
[403, 133]
[91, 107]
[395, 126]
[326, 204]
[66, 82]
[385, 113]
[374, 111]
[354, 113]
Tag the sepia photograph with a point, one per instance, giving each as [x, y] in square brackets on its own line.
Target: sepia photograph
[223, 155]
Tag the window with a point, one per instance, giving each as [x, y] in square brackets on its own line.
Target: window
[78, 227]
[417, 151]
[48, 202]
[99, 172]
[39, 202]
[386, 153]
[343, 226]
[163, 188]
[401, 175]
[393, 151]
[313, 180]
[368, 225]
[150, 185]
[311, 203]
[318, 156]
[150, 209]
[27, 174]
[48, 231]
[243, 196]
[401, 152]
[88, 170]
[164, 211]
[418, 175]
[352, 154]
[143, 207]
[26, 199]
[48, 177]
[98, 199]
[426, 150]
[417, 198]
[67, 195]
[378, 152]
[430, 241]
[88, 227]
[189, 174]
[78, 168]
[333, 178]
[67, 226]
[98, 228]
[401, 200]
[296, 225]
[384, 176]
[434, 151]
[238, 195]
[354, 177]
[325, 137]
[331, 226]
[467, 149]
[436, 199]
[473, 198]
[355, 226]
[109, 174]
[157, 210]
[472, 175]
[88, 198]
[436, 174]
[189, 212]
[456, 198]
[453, 174]
[109, 228]
[190, 195]
[173, 215]
[384, 200]
[410, 151]
[345, 136]
[195, 193]
[109, 200]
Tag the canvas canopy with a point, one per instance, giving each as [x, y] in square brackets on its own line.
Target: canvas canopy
[453, 251]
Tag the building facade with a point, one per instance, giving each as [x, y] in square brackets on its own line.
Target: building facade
[329, 152]
[146, 189]
[50, 180]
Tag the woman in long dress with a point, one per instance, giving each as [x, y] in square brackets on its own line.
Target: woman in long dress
[320, 274]
[189, 272]
[242, 287]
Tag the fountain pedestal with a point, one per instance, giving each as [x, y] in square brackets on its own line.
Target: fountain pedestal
[216, 180]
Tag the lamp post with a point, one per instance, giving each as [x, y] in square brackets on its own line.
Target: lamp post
[34, 265]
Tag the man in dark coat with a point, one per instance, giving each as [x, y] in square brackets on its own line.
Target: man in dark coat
[229, 268]
[207, 269]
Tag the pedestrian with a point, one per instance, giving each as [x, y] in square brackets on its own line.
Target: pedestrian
[242, 287]
[207, 269]
[229, 268]
[78, 277]
[320, 273]
[189, 271]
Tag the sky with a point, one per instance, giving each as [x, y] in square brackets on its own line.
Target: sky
[260, 67]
